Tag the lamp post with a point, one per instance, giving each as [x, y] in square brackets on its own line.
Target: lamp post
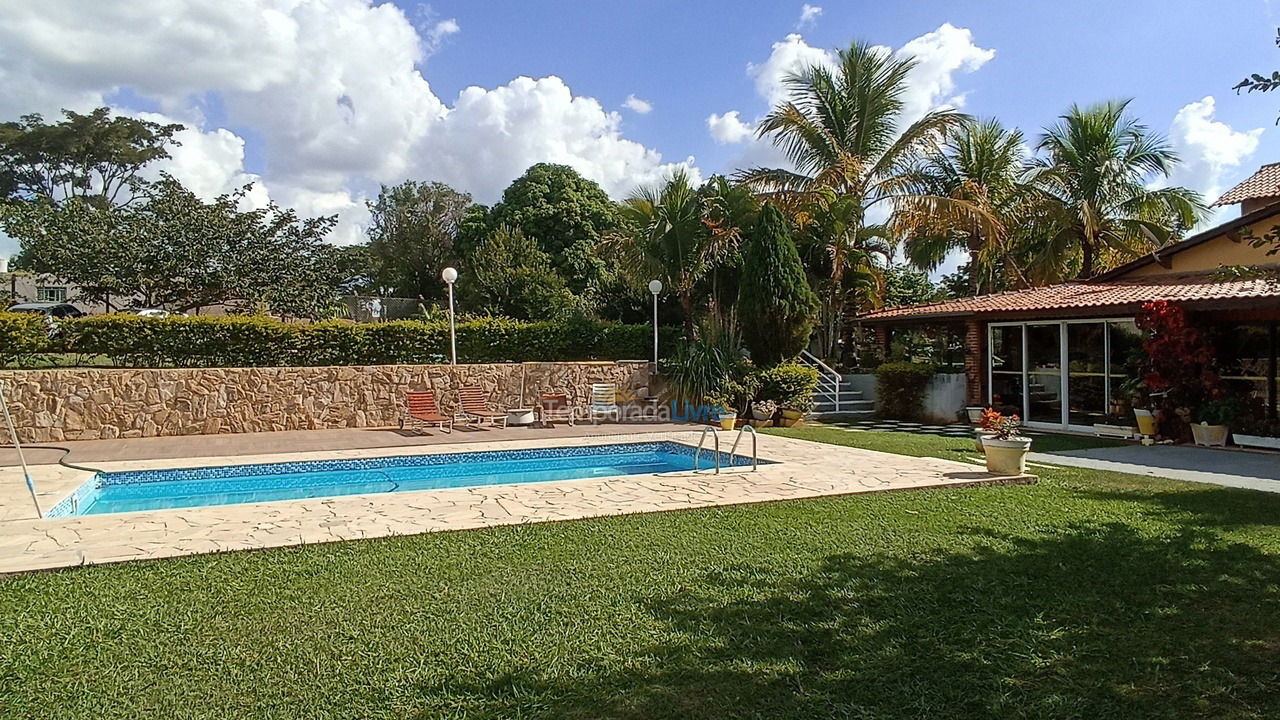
[655, 287]
[450, 276]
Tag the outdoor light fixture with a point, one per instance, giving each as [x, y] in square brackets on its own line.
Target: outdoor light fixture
[450, 276]
[655, 287]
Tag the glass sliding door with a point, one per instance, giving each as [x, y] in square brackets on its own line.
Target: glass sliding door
[1125, 356]
[1006, 369]
[1086, 372]
[1044, 374]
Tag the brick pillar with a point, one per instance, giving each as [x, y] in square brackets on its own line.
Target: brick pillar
[975, 362]
[882, 340]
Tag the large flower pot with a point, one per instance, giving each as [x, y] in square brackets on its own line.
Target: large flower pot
[728, 420]
[1007, 457]
[1210, 435]
[1146, 421]
[975, 414]
[979, 435]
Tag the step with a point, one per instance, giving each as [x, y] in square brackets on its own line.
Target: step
[831, 414]
[844, 395]
[855, 405]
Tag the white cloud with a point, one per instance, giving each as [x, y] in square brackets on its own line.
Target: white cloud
[636, 105]
[1210, 149]
[808, 15]
[331, 90]
[939, 56]
[728, 128]
[787, 57]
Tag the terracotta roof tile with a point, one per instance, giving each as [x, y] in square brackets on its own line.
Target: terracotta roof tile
[1080, 295]
[1263, 184]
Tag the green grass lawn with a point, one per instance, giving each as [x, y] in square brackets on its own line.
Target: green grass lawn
[1089, 595]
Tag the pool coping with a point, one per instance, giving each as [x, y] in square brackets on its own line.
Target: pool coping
[801, 469]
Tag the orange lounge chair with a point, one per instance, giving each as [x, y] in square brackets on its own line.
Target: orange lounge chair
[421, 411]
[473, 408]
[555, 406]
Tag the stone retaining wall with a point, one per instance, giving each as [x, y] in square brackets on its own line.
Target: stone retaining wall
[87, 403]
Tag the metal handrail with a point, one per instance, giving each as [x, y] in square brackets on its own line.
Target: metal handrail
[715, 435]
[22, 459]
[827, 373]
[755, 459]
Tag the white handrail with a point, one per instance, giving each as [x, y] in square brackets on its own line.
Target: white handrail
[755, 458]
[825, 372]
[22, 459]
[715, 435]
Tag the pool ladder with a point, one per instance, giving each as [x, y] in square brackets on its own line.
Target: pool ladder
[715, 436]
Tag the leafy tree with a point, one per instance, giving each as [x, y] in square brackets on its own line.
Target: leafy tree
[980, 163]
[905, 286]
[730, 210]
[95, 157]
[776, 304]
[842, 129]
[412, 230]
[174, 250]
[510, 275]
[1096, 208]
[1259, 82]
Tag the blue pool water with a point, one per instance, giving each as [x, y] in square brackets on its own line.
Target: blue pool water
[193, 487]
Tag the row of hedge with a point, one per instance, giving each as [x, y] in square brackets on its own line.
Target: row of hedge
[240, 341]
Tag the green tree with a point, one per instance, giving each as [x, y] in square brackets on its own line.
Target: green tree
[777, 305]
[173, 250]
[1096, 208]
[412, 230]
[559, 209]
[842, 129]
[510, 275]
[94, 157]
[980, 163]
[905, 286]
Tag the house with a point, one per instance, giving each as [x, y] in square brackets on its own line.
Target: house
[1061, 355]
[22, 287]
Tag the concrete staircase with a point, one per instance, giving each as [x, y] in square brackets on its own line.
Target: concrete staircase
[836, 395]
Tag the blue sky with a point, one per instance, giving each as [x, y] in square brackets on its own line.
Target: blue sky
[317, 102]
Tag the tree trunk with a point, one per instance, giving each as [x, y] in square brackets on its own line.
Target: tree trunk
[686, 305]
[1086, 260]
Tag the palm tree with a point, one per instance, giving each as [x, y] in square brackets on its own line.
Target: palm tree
[980, 163]
[670, 239]
[1097, 208]
[841, 131]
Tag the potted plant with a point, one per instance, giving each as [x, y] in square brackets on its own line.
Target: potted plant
[1258, 433]
[975, 414]
[1119, 425]
[723, 412]
[1007, 449]
[1214, 418]
[762, 413]
[986, 427]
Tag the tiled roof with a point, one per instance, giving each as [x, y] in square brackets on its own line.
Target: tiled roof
[1263, 184]
[1083, 295]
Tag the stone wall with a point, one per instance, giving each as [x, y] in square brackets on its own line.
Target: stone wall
[87, 403]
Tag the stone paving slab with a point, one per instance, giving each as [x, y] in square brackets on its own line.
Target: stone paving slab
[801, 469]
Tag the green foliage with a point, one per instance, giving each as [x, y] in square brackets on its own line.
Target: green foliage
[900, 389]
[93, 157]
[412, 227]
[703, 372]
[242, 341]
[21, 334]
[904, 286]
[790, 385]
[509, 275]
[176, 251]
[775, 302]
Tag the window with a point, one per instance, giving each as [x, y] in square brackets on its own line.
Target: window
[51, 294]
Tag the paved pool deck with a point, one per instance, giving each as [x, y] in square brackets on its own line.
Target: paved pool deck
[800, 469]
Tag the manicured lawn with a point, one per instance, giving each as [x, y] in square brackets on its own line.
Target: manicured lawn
[1090, 595]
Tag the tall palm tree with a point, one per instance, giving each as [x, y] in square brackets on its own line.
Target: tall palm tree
[669, 239]
[841, 129]
[981, 163]
[1098, 208]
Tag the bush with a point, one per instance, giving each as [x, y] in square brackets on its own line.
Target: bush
[240, 341]
[789, 385]
[22, 334]
[900, 390]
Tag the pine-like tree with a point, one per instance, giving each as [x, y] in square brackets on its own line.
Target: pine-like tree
[775, 303]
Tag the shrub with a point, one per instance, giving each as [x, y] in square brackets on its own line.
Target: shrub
[789, 385]
[22, 334]
[900, 389]
[778, 307]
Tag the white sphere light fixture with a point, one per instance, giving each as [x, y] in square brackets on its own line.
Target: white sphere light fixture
[449, 275]
[655, 286]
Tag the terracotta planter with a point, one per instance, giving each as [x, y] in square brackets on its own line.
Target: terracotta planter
[1210, 435]
[1146, 421]
[979, 435]
[789, 414]
[1007, 457]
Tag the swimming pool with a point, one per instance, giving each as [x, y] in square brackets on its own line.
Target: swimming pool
[226, 485]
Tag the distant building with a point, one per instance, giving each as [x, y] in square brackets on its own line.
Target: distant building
[19, 287]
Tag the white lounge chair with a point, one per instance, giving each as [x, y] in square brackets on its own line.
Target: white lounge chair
[604, 402]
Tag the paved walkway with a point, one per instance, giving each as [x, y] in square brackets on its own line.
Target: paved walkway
[1230, 468]
[800, 469]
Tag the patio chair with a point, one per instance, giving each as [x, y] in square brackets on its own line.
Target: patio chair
[604, 402]
[553, 407]
[421, 410]
[473, 408]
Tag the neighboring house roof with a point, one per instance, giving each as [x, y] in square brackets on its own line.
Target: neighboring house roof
[1217, 231]
[1263, 184]
[1113, 295]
